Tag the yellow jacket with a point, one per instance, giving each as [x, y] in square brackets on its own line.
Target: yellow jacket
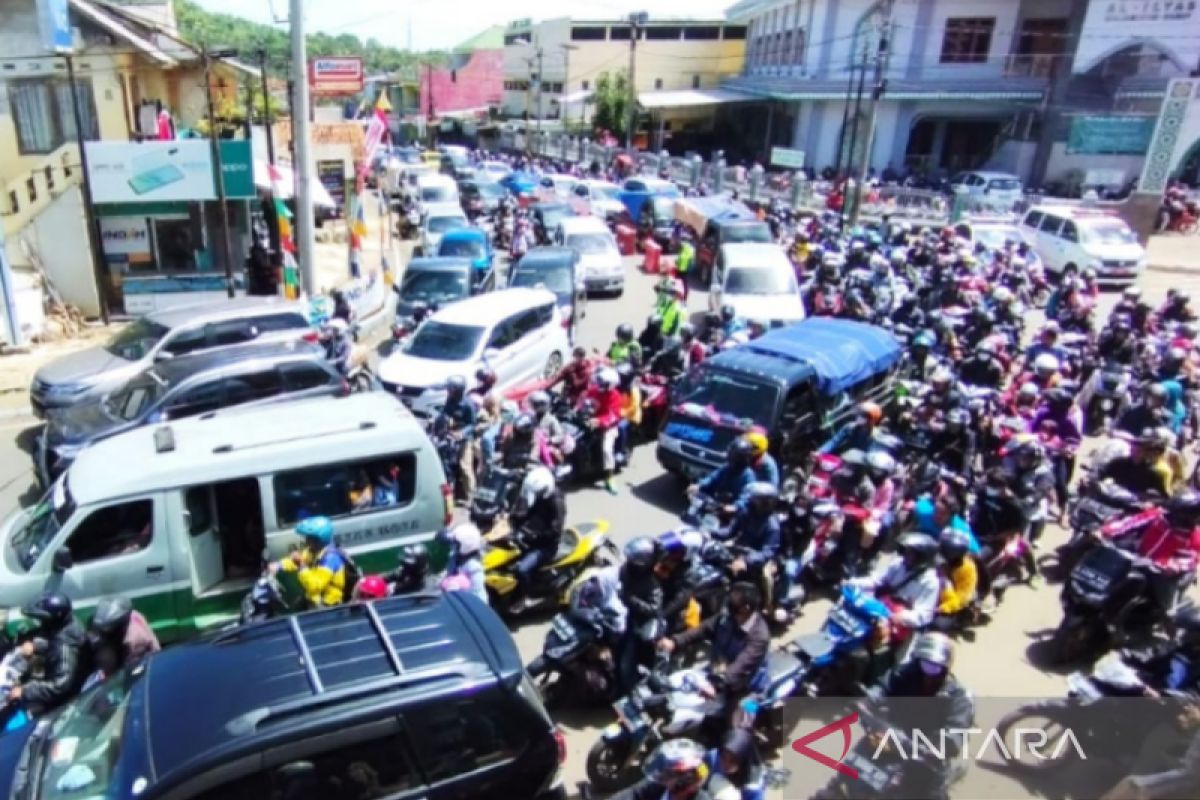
[959, 591]
[322, 575]
[631, 406]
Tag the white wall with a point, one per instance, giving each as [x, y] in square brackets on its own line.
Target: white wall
[59, 237]
[1173, 25]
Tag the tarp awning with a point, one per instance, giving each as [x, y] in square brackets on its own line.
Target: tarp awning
[1013, 88]
[697, 212]
[842, 353]
[684, 98]
[114, 27]
[286, 185]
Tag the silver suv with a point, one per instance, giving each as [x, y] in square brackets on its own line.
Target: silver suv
[90, 373]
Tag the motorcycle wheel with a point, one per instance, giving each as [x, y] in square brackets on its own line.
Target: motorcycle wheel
[608, 769]
[1074, 639]
[1053, 719]
[363, 382]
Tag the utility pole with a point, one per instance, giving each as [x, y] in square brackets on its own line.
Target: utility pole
[877, 90]
[273, 227]
[219, 169]
[248, 128]
[89, 209]
[636, 20]
[301, 142]
[854, 66]
[862, 80]
[541, 89]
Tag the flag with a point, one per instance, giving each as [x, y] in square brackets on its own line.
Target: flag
[283, 215]
[382, 103]
[376, 130]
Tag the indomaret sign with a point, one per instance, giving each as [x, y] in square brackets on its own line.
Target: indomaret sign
[336, 75]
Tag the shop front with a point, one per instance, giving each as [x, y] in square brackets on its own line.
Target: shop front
[161, 228]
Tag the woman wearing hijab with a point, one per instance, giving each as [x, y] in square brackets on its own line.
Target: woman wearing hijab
[737, 761]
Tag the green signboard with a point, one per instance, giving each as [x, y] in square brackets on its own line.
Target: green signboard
[1110, 135]
[237, 164]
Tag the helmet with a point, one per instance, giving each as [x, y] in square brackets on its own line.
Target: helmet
[319, 528]
[509, 410]
[899, 256]
[740, 451]
[921, 545]
[1132, 293]
[112, 616]
[524, 424]
[1059, 398]
[1187, 626]
[1174, 357]
[371, 587]
[881, 463]
[941, 375]
[954, 544]
[871, 411]
[53, 609]
[677, 764]
[641, 552]
[762, 490]
[413, 560]
[539, 401]
[879, 263]
[1028, 445]
[1183, 510]
[934, 649]
[759, 441]
[687, 331]
[728, 313]
[625, 332]
[607, 378]
[456, 384]
[958, 416]
[1121, 322]
[1050, 327]
[1002, 295]
[1156, 391]
[1088, 274]
[1045, 364]
[467, 537]
[486, 377]
[672, 543]
[538, 484]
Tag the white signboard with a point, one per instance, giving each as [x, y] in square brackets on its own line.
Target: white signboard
[1111, 24]
[147, 172]
[125, 236]
[787, 157]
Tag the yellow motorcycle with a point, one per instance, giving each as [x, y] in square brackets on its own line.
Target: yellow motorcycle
[581, 547]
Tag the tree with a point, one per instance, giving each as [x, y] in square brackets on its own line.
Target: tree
[611, 103]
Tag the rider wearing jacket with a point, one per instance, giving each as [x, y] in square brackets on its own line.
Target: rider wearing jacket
[1170, 541]
[859, 434]
[320, 566]
[728, 483]
[119, 636]
[606, 402]
[538, 518]
[962, 575]
[457, 418]
[66, 658]
[643, 597]
[910, 578]
[765, 467]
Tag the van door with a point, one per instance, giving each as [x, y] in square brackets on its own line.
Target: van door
[1053, 249]
[501, 355]
[204, 546]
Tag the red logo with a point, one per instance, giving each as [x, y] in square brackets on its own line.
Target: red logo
[801, 745]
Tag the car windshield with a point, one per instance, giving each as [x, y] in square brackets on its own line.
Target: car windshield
[736, 234]
[729, 395]
[433, 286]
[1005, 184]
[43, 523]
[437, 194]
[556, 278]
[443, 224]
[466, 248]
[131, 401]
[136, 339]
[553, 215]
[664, 209]
[82, 750]
[590, 243]
[440, 341]
[759, 280]
[1108, 233]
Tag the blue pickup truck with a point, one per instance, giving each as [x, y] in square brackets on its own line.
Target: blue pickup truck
[635, 192]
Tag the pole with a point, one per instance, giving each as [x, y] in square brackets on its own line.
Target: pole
[862, 79]
[219, 168]
[881, 58]
[89, 209]
[566, 86]
[248, 128]
[636, 20]
[301, 141]
[429, 90]
[541, 89]
[267, 122]
[837, 164]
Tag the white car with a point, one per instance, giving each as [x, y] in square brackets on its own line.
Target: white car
[1074, 236]
[757, 279]
[495, 170]
[597, 198]
[439, 218]
[599, 258]
[994, 233]
[998, 190]
[518, 333]
[555, 188]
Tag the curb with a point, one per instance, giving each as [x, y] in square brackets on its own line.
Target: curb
[1176, 269]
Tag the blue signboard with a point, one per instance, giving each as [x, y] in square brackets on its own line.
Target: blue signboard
[55, 22]
[1127, 135]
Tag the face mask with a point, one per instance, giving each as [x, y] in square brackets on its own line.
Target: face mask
[931, 670]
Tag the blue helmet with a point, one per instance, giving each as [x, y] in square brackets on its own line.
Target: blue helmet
[319, 528]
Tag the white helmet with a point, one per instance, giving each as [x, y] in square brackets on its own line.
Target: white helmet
[1002, 295]
[1028, 391]
[467, 537]
[878, 262]
[538, 485]
[899, 256]
[1045, 363]
[339, 325]
[607, 378]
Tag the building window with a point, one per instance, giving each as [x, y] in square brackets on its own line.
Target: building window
[43, 115]
[702, 33]
[669, 33]
[967, 40]
[733, 33]
[619, 33]
[695, 81]
[588, 34]
[584, 85]
[658, 83]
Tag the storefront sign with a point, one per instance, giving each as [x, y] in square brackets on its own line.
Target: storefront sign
[1110, 135]
[125, 236]
[55, 22]
[237, 165]
[332, 175]
[1148, 10]
[336, 75]
[1111, 26]
[132, 172]
[787, 157]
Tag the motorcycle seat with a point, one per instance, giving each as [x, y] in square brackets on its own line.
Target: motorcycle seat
[814, 646]
[566, 545]
[781, 665]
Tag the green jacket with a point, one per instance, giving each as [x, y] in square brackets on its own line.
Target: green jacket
[672, 317]
[686, 253]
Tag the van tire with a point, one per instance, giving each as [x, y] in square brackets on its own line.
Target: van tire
[553, 365]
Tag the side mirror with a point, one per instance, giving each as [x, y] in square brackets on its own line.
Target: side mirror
[62, 560]
[163, 355]
[490, 354]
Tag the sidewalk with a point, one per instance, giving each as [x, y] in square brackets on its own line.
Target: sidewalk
[1173, 252]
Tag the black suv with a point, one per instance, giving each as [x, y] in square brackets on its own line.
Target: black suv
[421, 696]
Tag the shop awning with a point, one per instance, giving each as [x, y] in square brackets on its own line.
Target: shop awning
[122, 32]
[1015, 88]
[687, 98]
[286, 186]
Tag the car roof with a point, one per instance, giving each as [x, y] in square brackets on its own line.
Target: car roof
[754, 255]
[439, 264]
[553, 255]
[1078, 213]
[241, 441]
[487, 309]
[464, 233]
[586, 224]
[550, 205]
[224, 359]
[233, 308]
[313, 670]
[444, 210]
[435, 179]
[989, 174]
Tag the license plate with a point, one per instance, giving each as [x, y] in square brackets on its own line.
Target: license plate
[868, 773]
[563, 628]
[842, 618]
[487, 495]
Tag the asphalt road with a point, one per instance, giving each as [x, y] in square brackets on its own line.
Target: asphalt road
[1004, 660]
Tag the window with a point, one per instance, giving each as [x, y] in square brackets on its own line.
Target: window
[619, 33]
[504, 334]
[113, 531]
[301, 377]
[1050, 224]
[233, 332]
[186, 341]
[658, 83]
[669, 33]
[280, 322]
[453, 738]
[1033, 219]
[198, 400]
[252, 386]
[705, 33]
[1069, 231]
[734, 33]
[967, 40]
[325, 489]
[198, 501]
[43, 114]
[587, 34]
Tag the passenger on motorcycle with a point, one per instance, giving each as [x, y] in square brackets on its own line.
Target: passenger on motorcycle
[1031, 479]
[457, 420]
[962, 578]
[1150, 413]
[1059, 409]
[1143, 471]
[66, 662]
[677, 770]
[1172, 668]
[910, 578]
[1046, 344]
[464, 571]
[537, 521]
[956, 446]
[547, 424]
[728, 483]
[859, 434]
[755, 530]
[983, 368]
[575, 376]
[766, 469]
[677, 577]
[118, 636]
[631, 406]
[624, 348]
[1170, 542]
[320, 565]
[738, 762]
[642, 595]
[605, 399]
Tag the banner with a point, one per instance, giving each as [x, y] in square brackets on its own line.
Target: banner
[141, 172]
[54, 20]
[1110, 135]
[125, 236]
[237, 165]
[787, 157]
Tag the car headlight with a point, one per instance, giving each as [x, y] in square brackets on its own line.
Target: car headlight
[66, 389]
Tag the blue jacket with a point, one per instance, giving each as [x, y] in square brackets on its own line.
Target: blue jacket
[727, 481]
[760, 534]
[924, 519]
[767, 469]
[850, 437]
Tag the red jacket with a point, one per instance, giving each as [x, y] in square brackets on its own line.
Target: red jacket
[1172, 551]
[608, 405]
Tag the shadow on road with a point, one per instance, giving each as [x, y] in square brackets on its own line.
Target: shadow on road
[662, 491]
[1040, 653]
[27, 439]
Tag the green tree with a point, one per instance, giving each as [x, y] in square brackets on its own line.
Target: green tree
[611, 103]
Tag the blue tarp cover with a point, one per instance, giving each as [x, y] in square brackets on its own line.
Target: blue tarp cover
[698, 211]
[841, 353]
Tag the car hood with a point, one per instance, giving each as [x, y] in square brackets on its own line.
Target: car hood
[600, 263]
[81, 423]
[83, 365]
[406, 370]
[766, 307]
[1117, 252]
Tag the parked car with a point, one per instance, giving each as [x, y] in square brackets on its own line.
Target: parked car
[998, 190]
[635, 192]
[598, 198]
[557, 270]
[471, 243]
[413, 696]
[520, 184]
[519, 333]
[437, 282]
[436, 221]
[603, 270]
[480, 197]
[546, 217]
[184, 387]
[1071, 236]
[759, 282]
[87, 374]
[555, 188]
[495, 170]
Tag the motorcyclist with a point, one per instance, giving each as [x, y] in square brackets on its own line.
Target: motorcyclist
[941, 396]
[674, 313]
[547, 424]
[677, 770]
[962, 578]
[118, 636]
[575, 376]
[1046, 344]
[335, 336]
[625, 347]
[521, 449]
[677, 577]
[1170, 542]
[457, 420]
[919, 362]
[983, 368]
[691, 347]
[651, 339]
[643, 597]
[320, 565]
[538, 520]
[631, 408]
[1045, 372]
[755, 532]
[729, 482]
[1150, 413]
[1031, 479]
[858, 434]
[764, 465]
[1176, 308]
[996, 515]
[1143, 471]
[731, 324]
[910, 578]
[605, 399]
[956, 445]
[738, 762]
[66, 661]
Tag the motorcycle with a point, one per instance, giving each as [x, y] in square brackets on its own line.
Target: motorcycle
[582, 547]
[407, 326]
[265, 600]
[851, 623]
[1099, 503]
[575, 661]
[1108, 398]
[495, 495]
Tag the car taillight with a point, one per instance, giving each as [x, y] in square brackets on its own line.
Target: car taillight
[448, 498]
[311, 336]
[561, 742]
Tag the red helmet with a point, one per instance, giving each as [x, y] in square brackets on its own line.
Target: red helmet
[372, 587]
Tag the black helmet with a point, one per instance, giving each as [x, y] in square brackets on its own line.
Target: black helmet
[1174, 358]
[524, 424]
[954, 544]
[456, 384]
[641, 552]
[687, 332]
[111, 617]
[1187, 627]
[728, 313]
[921, 545]
[486, 376]
[52, 609]
[1059, 398]
[741, 452]
[413, 560]
[625, 332]
[1183, 510]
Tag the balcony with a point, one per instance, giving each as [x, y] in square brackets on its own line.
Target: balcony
[1030, 66]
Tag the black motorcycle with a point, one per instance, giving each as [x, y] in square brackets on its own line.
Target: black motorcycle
[576, 661]
[1109, 397]
[495, 495]
[1098, 503]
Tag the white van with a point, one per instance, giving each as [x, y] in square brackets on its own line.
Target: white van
[758, 280]
[1075, 236]
[177, 516]
[436, 188]
[599, 258]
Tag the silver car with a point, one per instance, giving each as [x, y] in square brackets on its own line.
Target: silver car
[91, 373]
